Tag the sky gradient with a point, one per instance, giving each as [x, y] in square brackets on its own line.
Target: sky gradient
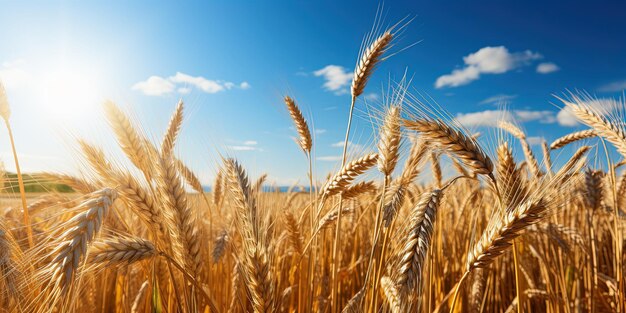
[232, 61]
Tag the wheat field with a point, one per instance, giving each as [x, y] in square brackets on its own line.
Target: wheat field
[390, 231]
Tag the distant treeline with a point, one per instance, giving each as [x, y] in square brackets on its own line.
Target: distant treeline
[32, 183]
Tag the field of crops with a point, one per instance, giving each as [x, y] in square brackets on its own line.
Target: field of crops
[506, 232]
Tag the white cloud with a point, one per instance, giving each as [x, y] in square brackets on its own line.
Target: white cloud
[546, 68]
[250, 143]
[484, 118]
[546, 117]
[13, 75]
[535, 140]
[184, 90]
[339, 144]
[242, 148]
[329, 158]
[337, 78]
[371, 96]
[320, 131]
[208, 86]
[487, 60]
[498, 99]
[154, 86]
[492, 117]
[458, 77]
[158, 86]
[617, 86]
[565, 117]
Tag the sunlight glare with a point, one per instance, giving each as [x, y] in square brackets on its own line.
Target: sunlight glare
[69, 93]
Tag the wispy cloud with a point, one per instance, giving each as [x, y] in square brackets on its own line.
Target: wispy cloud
[534, 140]
[498, 99]
[242, 148]
[492, 117]
[371, 97]
[547, 68]
[319, 131]
[329, 158]
[487, 60]
[617, 86]
[336, 77]
[248, 145]
[158, 86]
[339, 144]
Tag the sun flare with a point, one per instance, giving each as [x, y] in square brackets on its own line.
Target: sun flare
[69, 92]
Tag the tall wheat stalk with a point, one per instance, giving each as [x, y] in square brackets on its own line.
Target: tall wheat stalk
[5, 113]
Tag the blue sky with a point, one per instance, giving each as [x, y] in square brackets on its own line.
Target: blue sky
[232, 61]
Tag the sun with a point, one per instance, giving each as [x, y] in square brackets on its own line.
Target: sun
[69, 92]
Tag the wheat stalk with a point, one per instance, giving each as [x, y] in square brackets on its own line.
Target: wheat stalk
[140, 297]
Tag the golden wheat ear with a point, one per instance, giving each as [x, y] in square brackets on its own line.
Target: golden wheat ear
[603, 126]
[302, 127]
[455, 142]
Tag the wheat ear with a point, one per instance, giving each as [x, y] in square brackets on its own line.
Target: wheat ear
[74, 241]
[172, 130]
[353, 169]
[302, 127]
[391, 294]
[414, 246]
[368, 61]
[612, 132]
[464, 147]
[255, 265]
[128, 138]
[389, 143]
[120, 250]
[219, 247]
[572, 137]
[180, 214]
[189, 176]
[512, 188]
[533, 165]
[358, 189]
[355, 303]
